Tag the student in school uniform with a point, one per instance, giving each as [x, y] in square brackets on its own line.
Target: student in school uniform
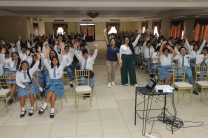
[166, 58]
[14, 64]
[113, 57]
[67, 68]
[139, 53]
[148, 52]
[7, 58]
[86, 60]
[183, 60]
[26, 85]
[127, 60]
[55, 85]
[202, 59]
[155, 62]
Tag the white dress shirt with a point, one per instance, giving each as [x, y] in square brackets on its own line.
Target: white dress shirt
[68, 59]
[90, 60]
[166, 60]
[59, 70]
[187, 58]
[147, 53]
[155, 57]
[138, 50]
[20, 75]
[199, 59]
[11, 63]
[200, 48]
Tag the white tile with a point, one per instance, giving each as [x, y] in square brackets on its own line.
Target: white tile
[41, 119]
[126, 103]
[91, 136]
[88, 115]
[114, 126]
[37, 131]
[16, 120]
[117, 135]
[63, 130]
[65, 117]
[106, 104]
[106, 114]
[12, 131]
[89, 128]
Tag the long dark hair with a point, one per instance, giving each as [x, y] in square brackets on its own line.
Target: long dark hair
[130, 44]
[33, 63]
[18, 61]
[27, 70]
[52, 60]
[56, 55]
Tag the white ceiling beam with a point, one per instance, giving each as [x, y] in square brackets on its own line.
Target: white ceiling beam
[102, 4]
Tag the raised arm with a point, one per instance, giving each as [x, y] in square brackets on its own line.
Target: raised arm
[106, 37]
[46, 58]
[173, 51]
[76, 52]
[192, 53]
[161, 48]
[95, 52]
[136, 40]
[35, 67]
[202, 46]
[3, 51]
[18, 44]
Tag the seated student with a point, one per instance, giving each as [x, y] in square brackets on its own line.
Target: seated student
[183, 60]
[7, 58]
[155, 62]
[55, 85]
[68, 64]
[166, 58]
[21, 49]
[148, 52]
[202, 59]
[139, 53]
[26, 85]
[86, 60]
[13, 47]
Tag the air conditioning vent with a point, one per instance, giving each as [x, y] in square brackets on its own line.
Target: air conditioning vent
[87, 20]
[117, 20]
[58, 20]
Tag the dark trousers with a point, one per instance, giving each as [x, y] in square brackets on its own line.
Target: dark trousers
[128, 68]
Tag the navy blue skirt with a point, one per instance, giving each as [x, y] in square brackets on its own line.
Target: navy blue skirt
[165, 71]
[22, 91]
[55, 85]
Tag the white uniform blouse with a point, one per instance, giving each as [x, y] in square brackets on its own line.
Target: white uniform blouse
[166, 60]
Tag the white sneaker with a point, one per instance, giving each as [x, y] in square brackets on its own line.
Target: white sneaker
[41, 90]
[155, 77]
[126, 84]
[136, 85]
[109, 84]
[113, 83]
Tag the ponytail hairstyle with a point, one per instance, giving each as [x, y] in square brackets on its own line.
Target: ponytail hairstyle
[130, 44]
[23, 62]
[52, 60]
[33, 63]
[18, 60]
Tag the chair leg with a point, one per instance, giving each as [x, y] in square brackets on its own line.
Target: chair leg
[178, 96]
[13, 99]
[201, 94]
[36, 103]
[191, 95]
[76, 99]
[65, 97]
[90, 99]
[61, 104]
[6, 104]
[40, 99]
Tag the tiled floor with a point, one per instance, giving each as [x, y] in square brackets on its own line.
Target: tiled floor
[111, 115]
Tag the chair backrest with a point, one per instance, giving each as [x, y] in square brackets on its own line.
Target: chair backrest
[82, 77]
[5, 80]
[65, 75]
[35, 77]
[201, 73]
[179, 74]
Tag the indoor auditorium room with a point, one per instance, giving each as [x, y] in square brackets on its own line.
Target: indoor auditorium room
[103, 68]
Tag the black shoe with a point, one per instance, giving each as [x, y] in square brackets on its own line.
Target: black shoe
[176, 89]
[10, 101]
[30, 114]
[195, 92]
[52, 115]
[151, 75]
[22, 115]
[41, 111]
[71, 85]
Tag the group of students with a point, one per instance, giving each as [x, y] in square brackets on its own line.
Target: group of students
[163, 54]
[48, 58]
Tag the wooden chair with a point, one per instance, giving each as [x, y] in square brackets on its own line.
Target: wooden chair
[5, 82]
[179, 82]
[201, 81]
[82, 84]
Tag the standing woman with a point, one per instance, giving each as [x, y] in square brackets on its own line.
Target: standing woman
[112, 58]
[127, 59]
[26, 85]
[55, 85]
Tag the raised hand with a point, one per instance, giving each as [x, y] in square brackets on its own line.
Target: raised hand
[147, 39]
[28, 52]
[62, 44]
[56, 42]
[75, 46]
[191, 47]
[47, 50]
[168, 47]
[45, 43]
[38, 55]
[39, 49]
[95, 44]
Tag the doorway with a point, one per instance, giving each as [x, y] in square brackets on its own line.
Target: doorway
[88, 30]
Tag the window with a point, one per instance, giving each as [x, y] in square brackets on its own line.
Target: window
[182, 34]
[112, 30]
[143, 29]
[60, 30]
[156, 31]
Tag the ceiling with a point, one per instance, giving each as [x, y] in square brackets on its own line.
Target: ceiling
[125, 10]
